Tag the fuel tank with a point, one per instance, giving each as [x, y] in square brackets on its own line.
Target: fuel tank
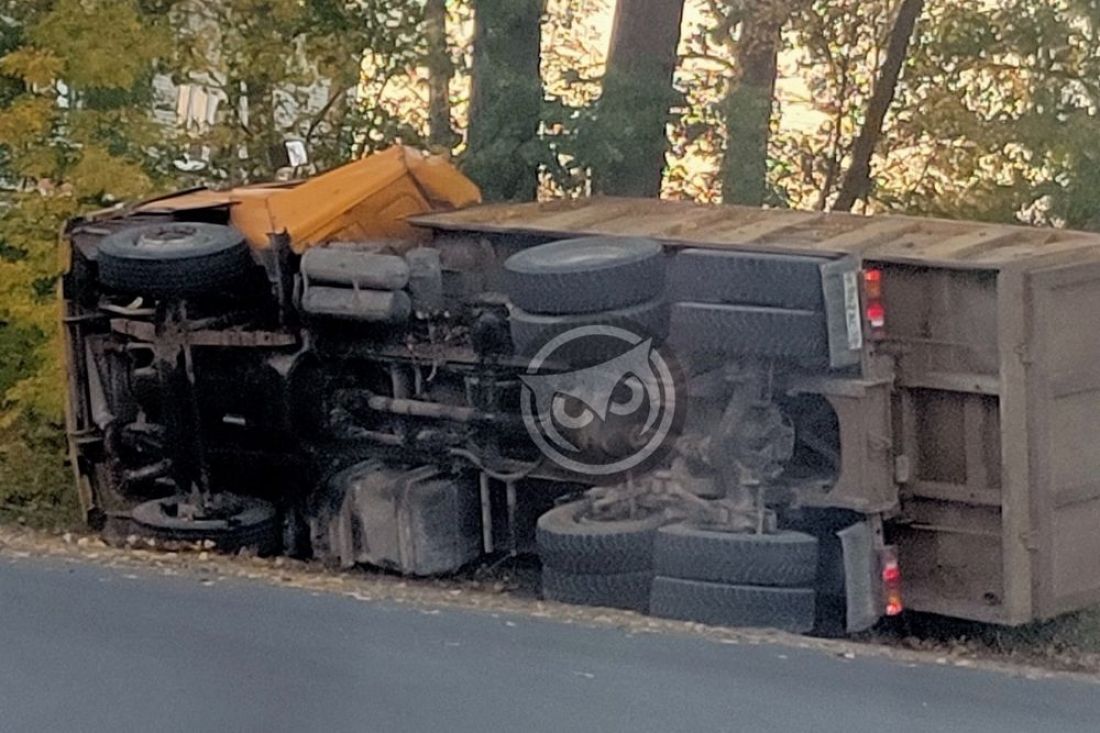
[417, 521]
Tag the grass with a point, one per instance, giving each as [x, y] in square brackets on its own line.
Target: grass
[1070, 642]
[36, 485]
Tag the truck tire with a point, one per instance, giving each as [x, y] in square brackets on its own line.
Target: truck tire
[568, 544]
[254, 525]
[628, 591]
[749, 330]
[784, 559]
[747, 278]
[585, 275]
[172, 259]
[719, 604]
[531, 331]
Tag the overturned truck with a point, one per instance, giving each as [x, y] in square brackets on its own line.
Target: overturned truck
[720, 414]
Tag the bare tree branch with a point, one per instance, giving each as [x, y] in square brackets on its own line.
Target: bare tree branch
[323, 113]
[857, 181]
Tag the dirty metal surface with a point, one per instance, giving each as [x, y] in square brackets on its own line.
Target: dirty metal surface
[145, 331]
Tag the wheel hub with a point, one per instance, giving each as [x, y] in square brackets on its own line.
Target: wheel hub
[166, 237]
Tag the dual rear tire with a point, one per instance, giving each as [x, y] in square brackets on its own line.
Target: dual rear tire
[679, 571]
[731, 579]
[593, 563]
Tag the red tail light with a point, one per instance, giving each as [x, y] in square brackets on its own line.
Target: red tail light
[891, 582]
[876, 316]
[873, 308]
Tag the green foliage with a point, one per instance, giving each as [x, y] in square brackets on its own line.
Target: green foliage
[18, 355]
[265, 61]
[77, 133]
[707, 67]
[70, 141]
[572, 69]
[838, 47]
[92, 44]
[35, 484]
[504, 147]
[995, 117]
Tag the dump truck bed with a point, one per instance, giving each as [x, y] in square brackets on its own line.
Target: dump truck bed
[918, 241]
[996, 386]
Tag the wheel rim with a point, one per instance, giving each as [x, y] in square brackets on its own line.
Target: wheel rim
[167, 238]
[228, 514]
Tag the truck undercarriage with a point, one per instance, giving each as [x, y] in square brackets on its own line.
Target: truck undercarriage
[346, 386]
[361, 402]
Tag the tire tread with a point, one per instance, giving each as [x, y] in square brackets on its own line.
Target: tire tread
[786, 559]
[571, 291]
[719, 604]
[629, 591]
[597, 548]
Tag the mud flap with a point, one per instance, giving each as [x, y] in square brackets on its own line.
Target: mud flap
[843, 316]
[860, 576]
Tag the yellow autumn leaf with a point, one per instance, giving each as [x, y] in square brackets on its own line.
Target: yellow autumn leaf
[104, 44]
[26, 120]
[98, 174]
[35, 66]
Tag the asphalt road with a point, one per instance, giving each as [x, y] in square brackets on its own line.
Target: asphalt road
[90, 648]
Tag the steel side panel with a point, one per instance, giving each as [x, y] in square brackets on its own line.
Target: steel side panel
[1064, 448]
[1016, 478]
[1009, 505]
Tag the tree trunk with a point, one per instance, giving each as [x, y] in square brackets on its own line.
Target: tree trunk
[633, 110]
[748, 106]
[503, 148]
[857, 181]
[440, 73]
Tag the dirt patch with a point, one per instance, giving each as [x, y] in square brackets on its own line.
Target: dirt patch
[511, 587]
